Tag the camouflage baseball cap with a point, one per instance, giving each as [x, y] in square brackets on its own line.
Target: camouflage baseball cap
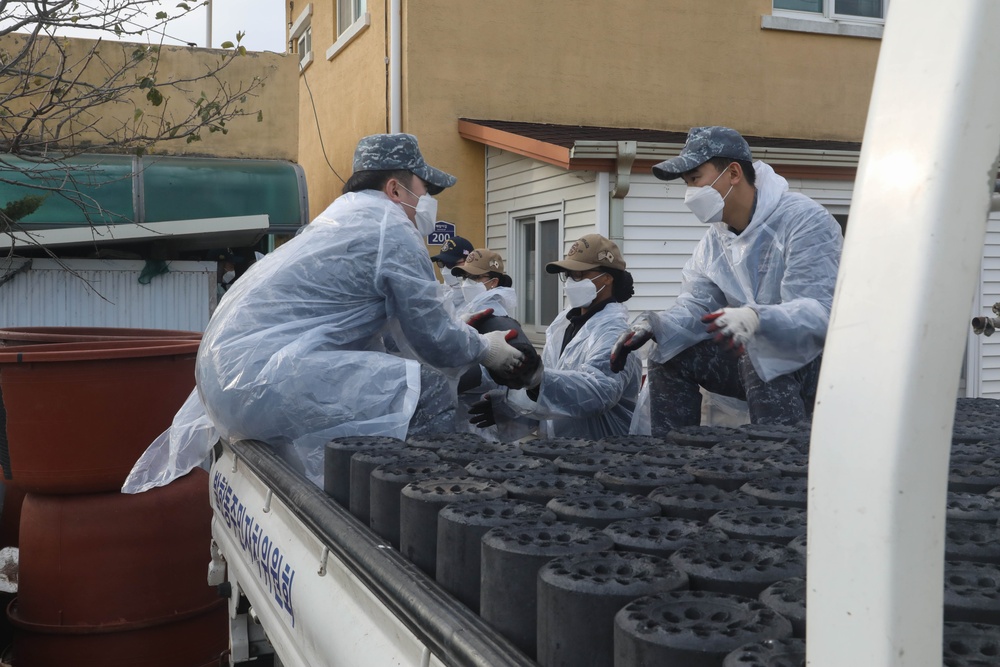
[399, 151]
[703, 144]
[592, 251]
[479, 262]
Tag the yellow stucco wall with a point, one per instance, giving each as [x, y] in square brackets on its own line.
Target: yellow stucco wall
[662, 64]
[349, 98]
[274, 136]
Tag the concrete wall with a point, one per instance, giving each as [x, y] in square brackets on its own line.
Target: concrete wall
[275, 136]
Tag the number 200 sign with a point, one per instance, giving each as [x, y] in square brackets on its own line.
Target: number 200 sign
[442, 232]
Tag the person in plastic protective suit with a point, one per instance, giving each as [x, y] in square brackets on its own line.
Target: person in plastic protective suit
[453, 253]
[483, 284]
[575, 394]
[296, 353]
[752, 315]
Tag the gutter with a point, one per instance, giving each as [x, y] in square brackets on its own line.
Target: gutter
[625, 153]
[395, 66]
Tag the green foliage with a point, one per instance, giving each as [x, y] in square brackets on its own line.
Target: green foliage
[22, 208]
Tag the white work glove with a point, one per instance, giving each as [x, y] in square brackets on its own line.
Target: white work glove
[637, 335]
[733, 327]
[500, 356]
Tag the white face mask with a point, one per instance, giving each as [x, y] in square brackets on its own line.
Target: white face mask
[581, 294]
[449, 279]
[228, 277]
[426, 212]
[705, 201]
[471, 289]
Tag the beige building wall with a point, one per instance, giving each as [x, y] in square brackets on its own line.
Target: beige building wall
[349, 99]
[662, 64]
[274, 136]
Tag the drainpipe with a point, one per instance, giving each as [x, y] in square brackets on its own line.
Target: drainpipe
[623, 176]
[395, 66]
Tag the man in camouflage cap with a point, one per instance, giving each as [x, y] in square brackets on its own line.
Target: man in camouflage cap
[307, 345]
[752, 315]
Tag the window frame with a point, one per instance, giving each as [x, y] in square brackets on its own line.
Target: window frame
[358, 10]
[829, 14]
[518, 222]
[346, 34]
[301, 31]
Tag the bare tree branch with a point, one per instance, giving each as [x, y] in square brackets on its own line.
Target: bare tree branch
[60, 98]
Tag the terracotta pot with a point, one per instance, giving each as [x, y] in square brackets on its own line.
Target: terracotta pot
[75, 417]
[116, 559]
[35, 335]
[196, 639]
[114, 580]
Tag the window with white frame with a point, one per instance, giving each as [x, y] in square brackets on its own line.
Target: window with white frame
[837, 10]
[349, 11]
[538, 292]
[300, 34]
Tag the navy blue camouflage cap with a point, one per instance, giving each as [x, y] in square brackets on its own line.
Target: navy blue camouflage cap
[703, 144]
[383, 152]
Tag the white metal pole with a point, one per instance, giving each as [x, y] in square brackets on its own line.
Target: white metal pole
[395, 66]
[884, 413]
[208, 24]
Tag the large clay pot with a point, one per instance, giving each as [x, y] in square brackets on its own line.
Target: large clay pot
[114, 574]
[75, 417]
[37, 335]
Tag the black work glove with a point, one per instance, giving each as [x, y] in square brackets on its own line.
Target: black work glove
[481, 413]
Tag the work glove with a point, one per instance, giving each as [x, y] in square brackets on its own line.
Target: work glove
[474, 319]
[500, 356]
[733, 327]
[481, 412]
[637, 335]
[535, 380]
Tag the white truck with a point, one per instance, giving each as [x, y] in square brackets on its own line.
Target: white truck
[325, 592]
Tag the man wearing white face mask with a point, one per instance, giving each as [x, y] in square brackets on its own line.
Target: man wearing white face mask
[296, 354]
[575, 394]
[752, 315]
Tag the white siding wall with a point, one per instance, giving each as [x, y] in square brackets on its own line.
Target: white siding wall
[517, 186]
[107, 293]
[660, 235]
[989, 348]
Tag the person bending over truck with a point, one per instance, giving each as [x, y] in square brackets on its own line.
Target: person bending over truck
[752, 315]
[296, 353]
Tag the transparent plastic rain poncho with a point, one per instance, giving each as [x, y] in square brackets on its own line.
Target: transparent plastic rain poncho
[579, 396]
[784, 265]
[296, 355]
[503, 301]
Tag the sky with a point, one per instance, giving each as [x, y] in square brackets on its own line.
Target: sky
[263, 21]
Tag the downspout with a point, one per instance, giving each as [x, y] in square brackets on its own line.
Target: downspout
[395, 66]
[623, 177]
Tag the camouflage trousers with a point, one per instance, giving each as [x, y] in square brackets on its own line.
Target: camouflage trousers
[675, 399]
